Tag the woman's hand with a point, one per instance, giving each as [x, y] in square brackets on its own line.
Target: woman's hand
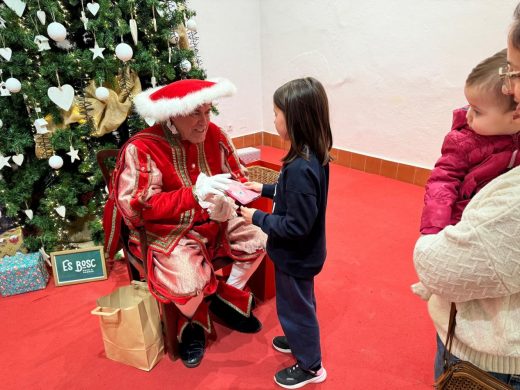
[247, 213]
[253, 186]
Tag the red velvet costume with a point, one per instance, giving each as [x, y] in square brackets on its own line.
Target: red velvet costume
[172, 213]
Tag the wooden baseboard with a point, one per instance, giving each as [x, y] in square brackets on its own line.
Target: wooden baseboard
[402, 172]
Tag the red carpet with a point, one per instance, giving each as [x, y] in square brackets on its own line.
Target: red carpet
[375, 332]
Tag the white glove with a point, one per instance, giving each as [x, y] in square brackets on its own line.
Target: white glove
[211, 185]
[421, 290]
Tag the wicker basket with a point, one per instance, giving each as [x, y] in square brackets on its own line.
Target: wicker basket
[262, 174]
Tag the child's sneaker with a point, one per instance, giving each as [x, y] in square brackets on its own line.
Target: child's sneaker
[294, 377]
[280, 344]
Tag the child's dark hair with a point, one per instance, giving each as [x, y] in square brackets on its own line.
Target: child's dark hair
[306, 110]
[485, 77]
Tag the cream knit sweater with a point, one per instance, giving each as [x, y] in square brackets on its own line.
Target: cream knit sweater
[476, 264]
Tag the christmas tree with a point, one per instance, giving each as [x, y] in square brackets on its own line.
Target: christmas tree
[69, 71]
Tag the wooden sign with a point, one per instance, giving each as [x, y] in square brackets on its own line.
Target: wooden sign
[78, 265]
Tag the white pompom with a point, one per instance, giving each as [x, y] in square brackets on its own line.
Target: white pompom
[102, 93]
[13, 85]
[56, 162]
[191, 25]
[1, 123]
[124, 52]
[57, 31]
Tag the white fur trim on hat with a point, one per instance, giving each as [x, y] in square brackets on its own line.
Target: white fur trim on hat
[162, 109]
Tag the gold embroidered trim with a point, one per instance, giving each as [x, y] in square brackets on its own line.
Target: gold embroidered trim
[245, 314]
[208, 329]
[203, 162]
[179, 335]
[112, 227]
[225, 160]
[208, 320]
[179, 157]
[134, 155]
[232, 146]
[164, 243]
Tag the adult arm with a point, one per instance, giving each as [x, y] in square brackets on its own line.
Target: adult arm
[230, 161]
[140, 195]
[480, 256]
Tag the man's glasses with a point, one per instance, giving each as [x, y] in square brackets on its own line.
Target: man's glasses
[507, 76]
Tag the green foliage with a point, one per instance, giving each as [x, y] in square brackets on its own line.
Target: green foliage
[77, 185]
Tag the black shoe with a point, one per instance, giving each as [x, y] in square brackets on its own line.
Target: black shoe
[193, 343]
[233, 319]
[280, 344]
[295, 377]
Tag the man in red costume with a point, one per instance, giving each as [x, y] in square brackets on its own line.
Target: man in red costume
[170, 179]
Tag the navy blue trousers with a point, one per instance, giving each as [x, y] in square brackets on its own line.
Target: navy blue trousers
[296, 308]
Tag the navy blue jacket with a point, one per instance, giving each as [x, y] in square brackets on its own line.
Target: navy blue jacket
[296, 228]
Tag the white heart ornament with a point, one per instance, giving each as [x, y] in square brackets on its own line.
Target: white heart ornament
[62, 96]
[18, 159]
[16, 5]
[6, 52]
[149, 121]
[93, 8]
[41, 16]
[29, 213]
[61, 211]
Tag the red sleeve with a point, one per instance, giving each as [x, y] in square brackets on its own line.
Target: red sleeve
[170, 205]
[442, 188]
[231, 160]
[140, 196]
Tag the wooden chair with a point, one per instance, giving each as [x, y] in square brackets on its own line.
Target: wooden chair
[137, 266]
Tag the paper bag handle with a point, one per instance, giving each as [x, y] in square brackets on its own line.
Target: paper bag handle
[97, 312]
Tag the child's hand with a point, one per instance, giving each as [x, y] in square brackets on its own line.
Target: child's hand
[421, 290]
[247, 213]
[253, 186]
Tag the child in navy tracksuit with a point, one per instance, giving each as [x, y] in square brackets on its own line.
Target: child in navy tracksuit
[296, 228]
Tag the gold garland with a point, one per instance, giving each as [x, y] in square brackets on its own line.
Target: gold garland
[107, 115]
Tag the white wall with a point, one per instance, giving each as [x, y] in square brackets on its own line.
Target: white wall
[393, 69]
[229, 46]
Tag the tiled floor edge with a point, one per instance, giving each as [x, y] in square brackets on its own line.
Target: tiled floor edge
[394, 170]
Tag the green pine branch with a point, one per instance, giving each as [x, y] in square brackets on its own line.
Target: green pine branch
[78, 185]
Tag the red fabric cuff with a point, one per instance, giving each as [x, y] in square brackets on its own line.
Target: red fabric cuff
[201, 317]
[238, 299]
